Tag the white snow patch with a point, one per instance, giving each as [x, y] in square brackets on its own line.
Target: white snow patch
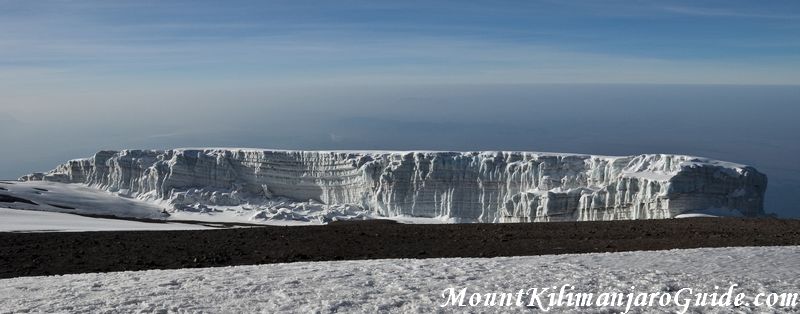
[77, 198]
[14, 220]
[711, 212]
[408, 286]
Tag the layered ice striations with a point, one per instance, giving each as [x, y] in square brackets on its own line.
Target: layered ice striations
[462, 186]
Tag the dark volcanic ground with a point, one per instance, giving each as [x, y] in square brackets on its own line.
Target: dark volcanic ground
[30, 254]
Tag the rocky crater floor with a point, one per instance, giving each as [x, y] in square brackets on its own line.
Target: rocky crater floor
[31, 254]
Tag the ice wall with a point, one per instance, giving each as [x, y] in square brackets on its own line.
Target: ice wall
[469, 186]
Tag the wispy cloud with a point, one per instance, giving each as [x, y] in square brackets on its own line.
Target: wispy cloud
[716, 12]
[6, 118]
[545, 41]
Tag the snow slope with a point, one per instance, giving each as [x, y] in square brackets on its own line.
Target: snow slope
[76, 198]
[408, 285]
[12, 220]
[462, 186]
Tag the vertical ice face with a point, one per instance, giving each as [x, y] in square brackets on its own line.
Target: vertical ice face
[470, 186]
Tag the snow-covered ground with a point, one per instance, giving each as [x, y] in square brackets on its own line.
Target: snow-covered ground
[12, 220]
[412, 285]
[76, 198]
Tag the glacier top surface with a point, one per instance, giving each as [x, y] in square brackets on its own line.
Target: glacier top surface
[692, 160]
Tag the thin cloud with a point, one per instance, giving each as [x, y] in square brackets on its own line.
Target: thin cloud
[6, 118]
[725, 13]
[84, 48]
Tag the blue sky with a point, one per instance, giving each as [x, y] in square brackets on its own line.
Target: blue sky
[68, 44]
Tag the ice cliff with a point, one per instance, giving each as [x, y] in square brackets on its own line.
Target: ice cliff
[464, 186]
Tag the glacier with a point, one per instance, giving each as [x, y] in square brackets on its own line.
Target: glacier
[484, 186]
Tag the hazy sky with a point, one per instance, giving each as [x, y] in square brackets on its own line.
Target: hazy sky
[711, 78]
